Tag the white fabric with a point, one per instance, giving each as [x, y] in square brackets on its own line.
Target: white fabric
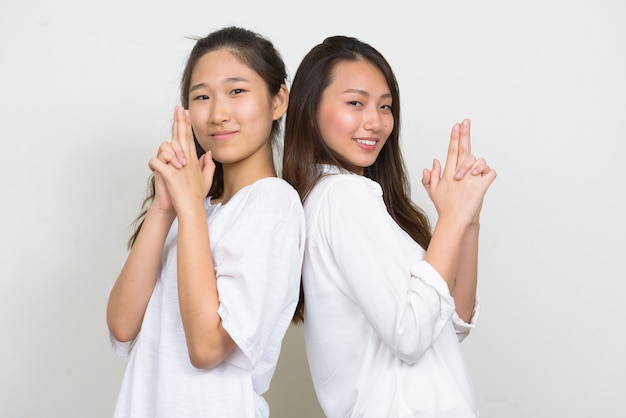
[257, 243]
[379, 320]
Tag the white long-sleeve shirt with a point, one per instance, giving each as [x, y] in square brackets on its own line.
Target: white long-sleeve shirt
[382, 334]
[257, 243]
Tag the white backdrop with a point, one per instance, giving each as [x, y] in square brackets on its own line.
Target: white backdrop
[86, 94]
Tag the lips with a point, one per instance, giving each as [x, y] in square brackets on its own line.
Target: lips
[222, 135]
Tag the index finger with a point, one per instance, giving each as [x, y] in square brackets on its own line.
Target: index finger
[176, 144]
[453, 151]
[184, 132]
[465, 147]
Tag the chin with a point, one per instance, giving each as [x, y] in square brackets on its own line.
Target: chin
[367, 164]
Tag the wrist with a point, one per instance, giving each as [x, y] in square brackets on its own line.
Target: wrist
[160, 214]
[453, 223]
[191, 212]
[475, 224]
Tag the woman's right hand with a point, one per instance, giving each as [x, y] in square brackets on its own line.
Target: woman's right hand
[187, 185]
[169, 153]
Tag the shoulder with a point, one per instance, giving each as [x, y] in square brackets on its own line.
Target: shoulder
[340, 200]
[345, 188]
[274, 187]
[269, 196]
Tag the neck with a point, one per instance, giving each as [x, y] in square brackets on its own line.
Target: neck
[242, 173]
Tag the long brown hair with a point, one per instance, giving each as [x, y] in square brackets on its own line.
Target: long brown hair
[251, 49]
[304, 147]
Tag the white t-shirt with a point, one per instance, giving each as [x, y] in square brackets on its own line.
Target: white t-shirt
[257, 243]
[382, 334]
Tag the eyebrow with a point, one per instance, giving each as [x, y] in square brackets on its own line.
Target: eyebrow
[228, 80]
[364, 93]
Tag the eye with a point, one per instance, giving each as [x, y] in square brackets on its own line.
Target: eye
[236, 91]
[355, 103]
[386, 107]
[202, 97]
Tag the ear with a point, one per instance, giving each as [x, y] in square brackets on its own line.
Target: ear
[280, 101]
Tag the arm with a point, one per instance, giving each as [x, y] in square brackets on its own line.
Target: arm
[133, 288]
[380, 268]
[453, 250]
[464, 292]
[207, 341]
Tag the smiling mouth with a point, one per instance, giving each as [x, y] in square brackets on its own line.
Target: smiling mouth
[368, 142]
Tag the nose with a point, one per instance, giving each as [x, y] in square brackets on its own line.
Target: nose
[371, 120]
[219, 111]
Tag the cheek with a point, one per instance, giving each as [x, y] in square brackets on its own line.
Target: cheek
[194, 125]
[388, 125]
[194, 116]
[335, 123]
[255, 112]
[326, 127]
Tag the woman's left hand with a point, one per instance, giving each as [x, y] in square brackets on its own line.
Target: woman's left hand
[462, 161]
[466, 161]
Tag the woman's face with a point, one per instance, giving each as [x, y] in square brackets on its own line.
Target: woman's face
[231, 109]
[354, 116]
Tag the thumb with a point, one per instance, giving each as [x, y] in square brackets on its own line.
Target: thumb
[426, 175]
[157, 165]
[207, 166]
[435, 174]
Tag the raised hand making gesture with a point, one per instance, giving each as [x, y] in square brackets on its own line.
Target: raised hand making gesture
[455, 195]
[179, 174]
[457, 192]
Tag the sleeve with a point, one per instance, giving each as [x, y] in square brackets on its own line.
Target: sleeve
[122, 349]
[258, 267]
[407, 303]
[463, 328]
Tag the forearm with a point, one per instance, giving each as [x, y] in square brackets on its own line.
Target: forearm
[464, 291]
[444, 249]
[134, 286]
[207, 341]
